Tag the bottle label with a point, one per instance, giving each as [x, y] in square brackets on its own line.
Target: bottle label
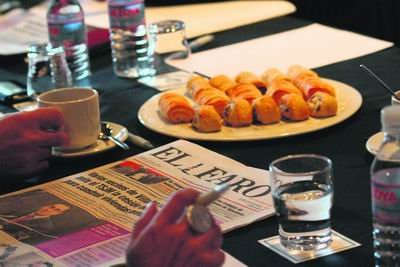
[126, 16]
[385, 191]
[67, 34]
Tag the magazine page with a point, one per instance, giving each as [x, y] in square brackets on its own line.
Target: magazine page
[86, 219]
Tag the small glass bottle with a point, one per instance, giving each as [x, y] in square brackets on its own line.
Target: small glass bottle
[385, 190]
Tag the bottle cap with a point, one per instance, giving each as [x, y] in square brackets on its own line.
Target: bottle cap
[390, 118]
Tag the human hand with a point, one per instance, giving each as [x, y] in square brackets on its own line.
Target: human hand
[164, 238]
[26, 141]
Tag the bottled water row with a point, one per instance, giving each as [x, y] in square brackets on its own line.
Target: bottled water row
[128, 37]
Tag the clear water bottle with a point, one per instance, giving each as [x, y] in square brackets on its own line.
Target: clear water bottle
[128, 36]
[65, 19]
[385, 190]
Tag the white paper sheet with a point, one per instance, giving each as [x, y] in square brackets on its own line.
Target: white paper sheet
[232, 262]
[19, 29]
[312, 46]
[202, 18]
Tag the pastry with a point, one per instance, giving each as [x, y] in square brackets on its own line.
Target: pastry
[293, 107]
[199, 92]
[245, 91]
[279, 88]
[195, 84]
[206, 119]
[175, 108]
[279, 84]
[273, 74]
[222, 82]
[298, 72]
[213, 97]
[309, 82]
[238, 113]
[265, 110]
[322, 105]
[249, 77]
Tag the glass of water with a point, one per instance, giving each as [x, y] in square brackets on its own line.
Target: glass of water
[167, 41]
[302, 190]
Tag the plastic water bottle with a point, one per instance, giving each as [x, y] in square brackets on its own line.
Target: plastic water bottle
[385, 190]
[128, 36]
[65, 19]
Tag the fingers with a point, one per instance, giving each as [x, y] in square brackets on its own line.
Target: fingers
[147, 215]
[49, 139]
[202, 250]
[211, 239]
[212, 258]
[176, 205]
[48, 118]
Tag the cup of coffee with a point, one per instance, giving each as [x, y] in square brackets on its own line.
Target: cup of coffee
[80, 108]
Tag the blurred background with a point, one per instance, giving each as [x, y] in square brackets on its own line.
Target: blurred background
[376, 18]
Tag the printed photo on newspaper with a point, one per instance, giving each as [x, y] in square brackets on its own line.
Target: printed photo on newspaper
[86, 219]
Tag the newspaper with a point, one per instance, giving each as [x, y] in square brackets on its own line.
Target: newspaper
[86, 219]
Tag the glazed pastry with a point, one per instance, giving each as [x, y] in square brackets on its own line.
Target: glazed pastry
[322, 105]
[206, 119]
[281, 87]
[273, 74]
[265, 110]
[309, 82]
[222, 82]
[249, 77]
[293, 107]
[238, 113]
[245, 91]
[196, 83]
[175, 108]
[213, 97]
[199, 92]
[297, 72]
[279, 84]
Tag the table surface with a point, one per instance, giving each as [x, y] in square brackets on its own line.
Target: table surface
[120, 100]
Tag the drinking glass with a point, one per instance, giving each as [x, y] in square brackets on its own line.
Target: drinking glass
[167, 41]
[38, 77]
[302, 190]
[47, 69]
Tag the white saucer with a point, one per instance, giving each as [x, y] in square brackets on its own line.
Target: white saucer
[374, 142]
[119, 132]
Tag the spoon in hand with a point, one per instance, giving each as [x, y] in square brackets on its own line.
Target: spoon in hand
[106, 134]
[381, 82]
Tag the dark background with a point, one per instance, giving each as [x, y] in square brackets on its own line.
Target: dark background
[377, 18]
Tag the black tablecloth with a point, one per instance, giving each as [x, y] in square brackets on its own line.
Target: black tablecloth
[344, 143]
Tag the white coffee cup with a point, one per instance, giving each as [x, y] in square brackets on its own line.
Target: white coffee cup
[394, 100]
[80, 108]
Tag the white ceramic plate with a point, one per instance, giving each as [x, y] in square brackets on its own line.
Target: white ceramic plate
[374, 142]
[119, 132]
[349, 101]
